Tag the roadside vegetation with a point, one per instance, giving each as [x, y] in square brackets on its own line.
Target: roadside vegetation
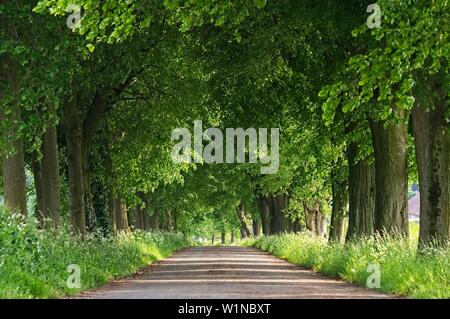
[403, 271]
[34, 262]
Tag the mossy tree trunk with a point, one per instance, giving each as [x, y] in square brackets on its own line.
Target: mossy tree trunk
[432, 141]
[13, 163]
[121, 215]
[391, 176]
[72, 127]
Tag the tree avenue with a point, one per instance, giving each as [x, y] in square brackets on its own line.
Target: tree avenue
[88, 115]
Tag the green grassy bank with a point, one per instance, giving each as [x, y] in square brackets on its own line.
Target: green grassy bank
[34, 262]
[403, 272]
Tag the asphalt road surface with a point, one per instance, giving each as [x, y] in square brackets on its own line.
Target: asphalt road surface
[227, 272]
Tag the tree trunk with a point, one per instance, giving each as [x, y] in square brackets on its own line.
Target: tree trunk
[121, 215]
[245, 229]
[361, 183]
[314, 219]
[131, 217]
[340, 201]
[310, 219]
[169, 221]
[175, 221]
[290, 225]
[14, 181]
[256, 226]
[139, 218]
[391, 178]
[145, 221]
[141, 212]
[108, 167]
[37, 176]
[223, 237]
[89, 127]
[432, 140]
[154, 224]
[72, 127]
[263, 207]
[232, 236]
[277, 205]
[50, 176]
[243, 232]
[112, 212]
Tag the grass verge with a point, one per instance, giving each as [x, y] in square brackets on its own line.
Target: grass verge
[403, 272]
[34, 263]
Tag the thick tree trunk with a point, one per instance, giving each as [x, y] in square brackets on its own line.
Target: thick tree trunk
[264, 210]
[50, 176]
[121, 215]
[340, 201]
[245, 229]
[391, 178]
[310, 219]
[314, 219]
[361, 183]
[14, 182]
[432, 140]
[256, 226]
[89, 127]
[279, 222]
[72, 127]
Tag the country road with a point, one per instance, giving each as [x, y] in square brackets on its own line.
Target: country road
[228, 272]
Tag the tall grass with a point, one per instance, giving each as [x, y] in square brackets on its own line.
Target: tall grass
[403, 271]
[33, 262]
